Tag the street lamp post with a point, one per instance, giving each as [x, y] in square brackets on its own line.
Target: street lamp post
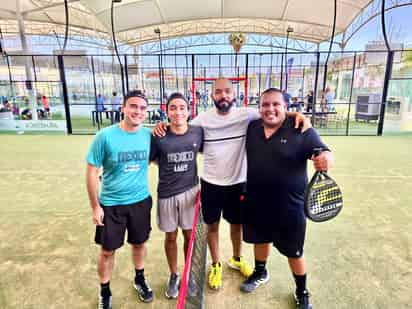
[157, 31]
[288, 31]
[115, 46]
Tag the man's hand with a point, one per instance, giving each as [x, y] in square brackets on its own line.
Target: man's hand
[98, 215]
[160, 129]
[323, 161]
[301, 120]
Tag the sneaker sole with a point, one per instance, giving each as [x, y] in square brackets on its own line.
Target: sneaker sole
[140, 297]
[295, 298]
[260, 283]
[233, 266]
[215, 288]
[171, 296]
[98, 304]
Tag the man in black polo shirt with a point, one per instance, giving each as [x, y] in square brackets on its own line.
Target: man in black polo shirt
[276, 179]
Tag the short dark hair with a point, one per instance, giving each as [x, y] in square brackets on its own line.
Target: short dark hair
[272, 90]
[135, 94]
[174, 96]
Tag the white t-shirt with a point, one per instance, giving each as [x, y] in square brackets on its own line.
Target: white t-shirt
[224, 152]
[116, 102]
[329, 96]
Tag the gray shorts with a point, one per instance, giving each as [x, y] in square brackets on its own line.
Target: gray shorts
[177, 211]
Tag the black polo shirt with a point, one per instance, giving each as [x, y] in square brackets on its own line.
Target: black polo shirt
[276, 171]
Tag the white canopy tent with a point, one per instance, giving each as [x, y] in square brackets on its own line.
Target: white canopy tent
[135, 20]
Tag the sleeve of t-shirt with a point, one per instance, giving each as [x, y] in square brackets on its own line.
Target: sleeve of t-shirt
[95, 156]
[312, 140]
[197, 121]
[154, 149]
[253, 113]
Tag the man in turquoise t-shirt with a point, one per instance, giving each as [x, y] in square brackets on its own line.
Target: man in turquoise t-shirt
[122, 151]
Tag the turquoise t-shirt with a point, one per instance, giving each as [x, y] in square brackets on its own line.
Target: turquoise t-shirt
[124, 157]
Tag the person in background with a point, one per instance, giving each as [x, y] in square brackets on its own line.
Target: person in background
[204, 98]
[116, 106]
[295, 105]
[6, 107]
[309, 101]
[241, 98]
[41, 113]
[287, 98]
[99, 107]
[26, 113]
[329, 97]
[46, 106]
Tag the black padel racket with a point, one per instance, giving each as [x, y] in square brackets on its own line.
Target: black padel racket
[323, 197]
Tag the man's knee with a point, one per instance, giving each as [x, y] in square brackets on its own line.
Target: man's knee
[138, 247]
[297, 261]
[236, 227]
[106, 254]
[187, 233]
[213, 228]
[171, 237]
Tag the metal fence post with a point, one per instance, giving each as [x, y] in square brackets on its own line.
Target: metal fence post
[351, 93]
[95, 94]
[65, 93]
[388, 74]
[315, 90]
[126, 73]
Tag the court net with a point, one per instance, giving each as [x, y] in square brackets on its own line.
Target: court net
[191, 294]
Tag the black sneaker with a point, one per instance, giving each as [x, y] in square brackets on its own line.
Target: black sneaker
[144, 291]
[302, 300]
[254, 281]
[172, 290]
[105, 302]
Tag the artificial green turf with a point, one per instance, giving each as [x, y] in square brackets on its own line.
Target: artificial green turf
[362, 259]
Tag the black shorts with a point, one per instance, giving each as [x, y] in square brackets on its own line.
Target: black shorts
[133, 217]
[288, 236]
[217, 199]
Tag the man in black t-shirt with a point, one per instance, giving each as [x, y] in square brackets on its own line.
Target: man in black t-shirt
[178, 186]
[276, 179]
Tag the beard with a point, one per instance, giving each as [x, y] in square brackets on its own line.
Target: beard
[223, 105]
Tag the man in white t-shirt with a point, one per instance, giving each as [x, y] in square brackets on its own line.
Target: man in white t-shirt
[329, 97]
[224, 172]
[116, 103]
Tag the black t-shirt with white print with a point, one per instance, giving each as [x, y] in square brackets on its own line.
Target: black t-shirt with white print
[176, 156]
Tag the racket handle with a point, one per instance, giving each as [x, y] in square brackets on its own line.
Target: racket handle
[316, 152]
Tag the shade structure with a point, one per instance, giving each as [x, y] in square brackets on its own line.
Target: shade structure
[135, 20]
